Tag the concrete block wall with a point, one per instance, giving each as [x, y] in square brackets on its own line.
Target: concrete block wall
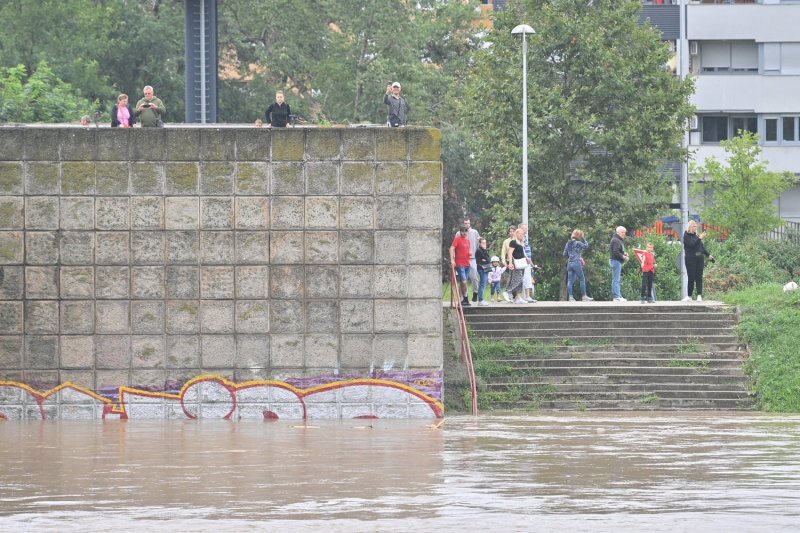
[150, 263]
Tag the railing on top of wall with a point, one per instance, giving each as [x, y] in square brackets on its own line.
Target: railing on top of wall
[466, 349]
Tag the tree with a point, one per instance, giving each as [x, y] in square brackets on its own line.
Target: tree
[741, 195]
[603, 115]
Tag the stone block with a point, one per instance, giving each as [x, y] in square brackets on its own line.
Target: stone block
[391, 212]
[217, 351]
[112, 379]
[77, 282]
[392, 144]
[41, 248]
[322, 351]
[217, 316]
[252, 178]
[322, 143]
[286, 351]
[147, 212]
[41, 317]
[217, 144]
[356, 281]
[77, 177]
[148, 351]
[390, 351]
[356, 352]
[216, 179]
[11, 316]
[147, 282]
[42, 178]
[112, 282]
[322, 177]
[147, 316]
[77, 351]
[393, 247]
[356, 212]
[112, 213]
[216, 247]
[286, 316]
[112, 178]
[322, 247]
[11, 247]
[10, 177]
[252, 351]
[252, 212]
[182, 178]
[182, 246]
[252, 316]
[77, 213]
[42, 144]
[12, 212]
[425, 177]
[322, 316]
[252, 247]
[322, 212]
[216, 213]
[76, 411]
[183, 282]
[78, 144]
[424, 351]
[40, 380]
[41, 352]
[391, 316]
[358, 144]
[147, 247]
[12, 282]
[287, 178]
[77, 317]
[356, 316]
[425, 316]
[356, 247]
[424, 281]
[288, 144]
[41, 212]
[252, 282]
[252, 144]
[216, 282]
[182, 213]
[286, 282]
[286, 247]
[41, 282]
[321, 281]
[147, 178]
[183, 316]
[425, 212]
[183, 351]
[147, 144]
[11, 144]
[391, 281]
[425, 247]
[77, 247]
[358, 178]
[425, 144]
[10, 353]
[112, 316]
[112, 248]
[113, 145]
[112, 352]
[182, 144]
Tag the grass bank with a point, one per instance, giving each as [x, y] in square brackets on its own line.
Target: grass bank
[770, 325]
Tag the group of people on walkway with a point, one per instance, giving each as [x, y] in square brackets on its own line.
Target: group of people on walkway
[470, 257]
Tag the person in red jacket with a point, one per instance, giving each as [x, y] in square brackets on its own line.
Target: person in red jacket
[649, 265]
[460, 253]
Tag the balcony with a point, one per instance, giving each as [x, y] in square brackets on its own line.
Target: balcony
[762, 23]
[747, 93]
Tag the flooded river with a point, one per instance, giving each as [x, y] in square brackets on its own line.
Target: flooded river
[578, 472]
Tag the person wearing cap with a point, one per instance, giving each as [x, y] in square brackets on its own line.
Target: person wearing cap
[398, 107]
[495, 277]
[484, 265]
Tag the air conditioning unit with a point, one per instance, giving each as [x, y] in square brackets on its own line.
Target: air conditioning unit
[694, 123]
[694, 48]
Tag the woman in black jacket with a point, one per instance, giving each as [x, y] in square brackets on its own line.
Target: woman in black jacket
[122, 113]
[694, 254]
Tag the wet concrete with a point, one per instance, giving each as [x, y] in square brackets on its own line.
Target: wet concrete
[583, 472]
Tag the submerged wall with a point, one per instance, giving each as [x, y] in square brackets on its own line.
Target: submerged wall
[220, 272]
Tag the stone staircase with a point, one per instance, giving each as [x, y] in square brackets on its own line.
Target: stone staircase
[622, 356]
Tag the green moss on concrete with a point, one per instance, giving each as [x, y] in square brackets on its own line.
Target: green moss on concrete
[217, 178]
[322, 144]
[11, 247]
[10, 214]
[112, 178]
[182, 178]
[358, 144]
[42, 178]
[391, 178]
[77, 177]
[425, 177]
[392, 144]
[10, 178]
[358, 178]
[252, 178]
[146, 178]
[425, 144]
[288, 144]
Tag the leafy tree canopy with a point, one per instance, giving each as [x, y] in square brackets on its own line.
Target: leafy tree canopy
[41, 97]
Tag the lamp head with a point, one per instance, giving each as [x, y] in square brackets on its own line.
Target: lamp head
[523, 29]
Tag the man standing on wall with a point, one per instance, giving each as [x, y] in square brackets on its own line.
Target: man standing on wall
[618, 257]
[398, 107]
[474, 237]
[460, 257]
[150, 109]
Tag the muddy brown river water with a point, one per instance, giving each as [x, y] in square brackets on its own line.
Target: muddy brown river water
[575, 472]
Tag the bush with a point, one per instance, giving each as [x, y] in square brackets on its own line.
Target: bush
[741, 263]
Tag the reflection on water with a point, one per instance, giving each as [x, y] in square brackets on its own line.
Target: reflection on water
[585, 472]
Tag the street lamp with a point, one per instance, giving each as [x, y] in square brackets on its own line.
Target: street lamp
[524, 30]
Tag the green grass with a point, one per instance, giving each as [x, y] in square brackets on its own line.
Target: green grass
[689, 346]
[699, 364]
[770, 325]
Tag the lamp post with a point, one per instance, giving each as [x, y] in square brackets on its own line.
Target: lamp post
[524, 30]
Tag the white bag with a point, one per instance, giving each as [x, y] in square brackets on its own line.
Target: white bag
[520, 263]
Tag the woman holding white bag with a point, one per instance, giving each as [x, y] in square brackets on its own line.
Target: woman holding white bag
[516, 264]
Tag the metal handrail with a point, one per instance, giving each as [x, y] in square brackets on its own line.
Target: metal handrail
[466, 349]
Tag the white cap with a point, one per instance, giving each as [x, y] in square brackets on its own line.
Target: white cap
[495, 258]
[396, 84]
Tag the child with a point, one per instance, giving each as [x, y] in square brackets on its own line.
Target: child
[482, 261]
[648, 260]
[494, 278]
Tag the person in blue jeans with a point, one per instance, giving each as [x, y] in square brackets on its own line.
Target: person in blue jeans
[573, 251]
[618, 258]
[484, 264]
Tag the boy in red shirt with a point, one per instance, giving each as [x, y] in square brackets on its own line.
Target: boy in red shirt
[459, 257]
[648, 260]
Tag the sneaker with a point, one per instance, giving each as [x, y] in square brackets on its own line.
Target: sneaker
[506, 297]
[571, 299]
[483, 303]
[520, 301]
[587, 298]
[474, 296]
[531, 300]
[651, 301]
[699, 298]
[642, 301]
[687, 299]
[465, 302]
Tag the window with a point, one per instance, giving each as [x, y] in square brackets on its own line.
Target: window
[782, 129]
[772, 57]
[744, 123]
[729, 56]
[790, 129]
[771, 130]
[715, 129]
[781, 58]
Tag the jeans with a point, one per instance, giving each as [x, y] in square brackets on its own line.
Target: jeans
[496, 288]
[484, 277]
[575, 270]
[694, 273]
[616, 274]
[462, 273]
